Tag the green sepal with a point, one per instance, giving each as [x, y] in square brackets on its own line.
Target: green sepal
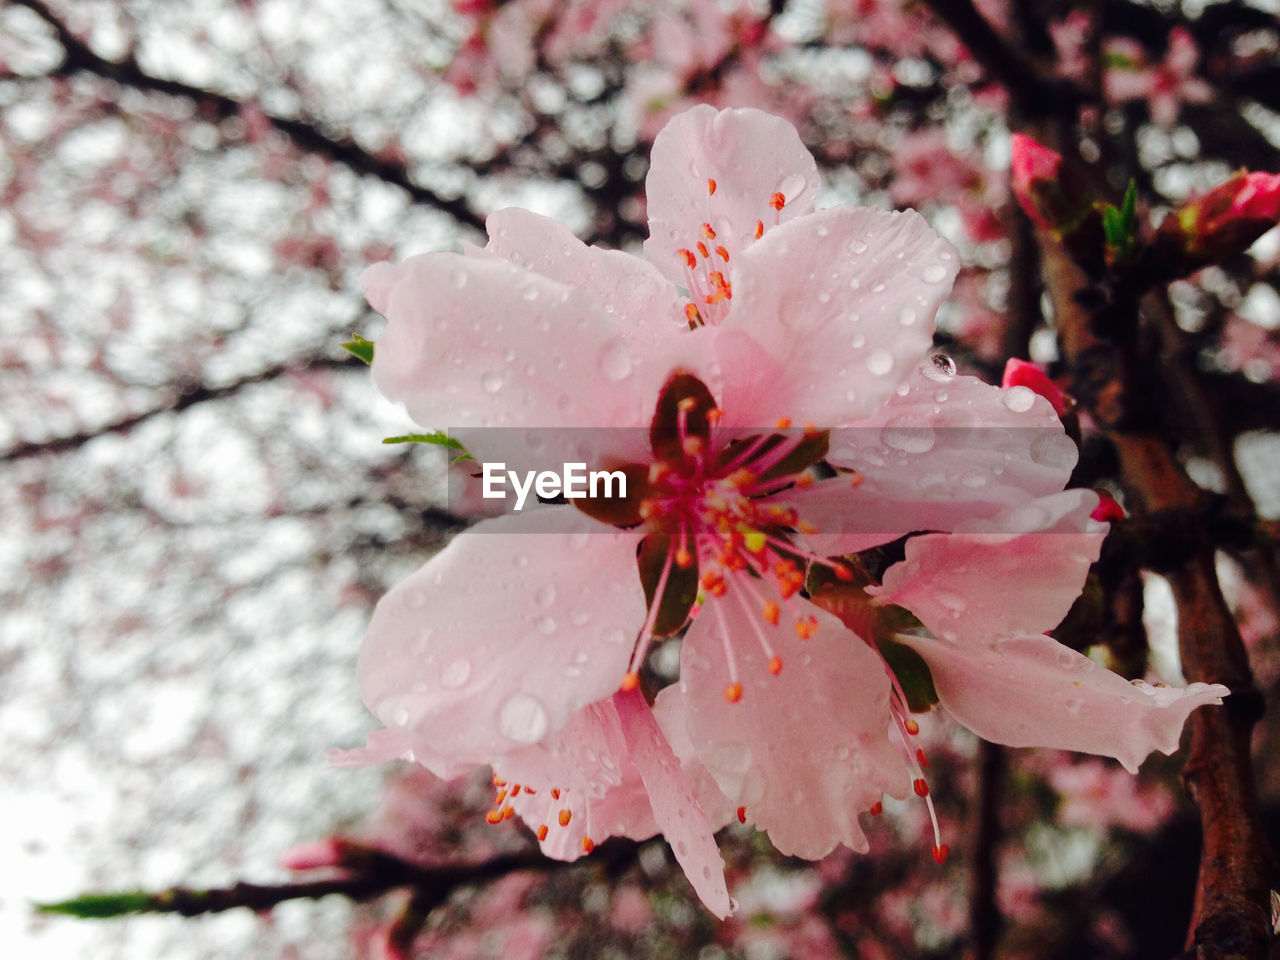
[664, 430]
[912, 673]
[98, 906]
[681, 591]
[358, 346]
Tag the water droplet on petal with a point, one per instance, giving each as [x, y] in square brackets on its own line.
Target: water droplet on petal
[546, 626]
[529, 293]
[909, 439]
[458, 277]
[492, 381]
[455, 674]
[791, 186]
[857, 246]
[1019, 399]
[880, 362]
[545, 595]
[523, 719]
[615, 360]
[521, 560]
[935, 274]
[402, 716]
[938, 368]
[1054, 450]
[907, 316]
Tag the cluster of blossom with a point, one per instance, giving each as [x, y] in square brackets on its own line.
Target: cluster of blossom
[523, 644]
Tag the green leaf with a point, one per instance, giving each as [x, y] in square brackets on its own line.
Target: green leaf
[1119, 224]
[100, 905]
[438, 438]
[358, 346]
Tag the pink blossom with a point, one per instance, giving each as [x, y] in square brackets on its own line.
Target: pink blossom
[521, 644]
[1033, 167]
[1229, 217]
[1165, 86]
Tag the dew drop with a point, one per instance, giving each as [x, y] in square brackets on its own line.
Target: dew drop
[492, 381]
[1019, 399]
[546, 626]
[578, 618]
[791, 187]
[935, 274]
[1073, 705]
[458, 277]
[908, 439]
[402, 716]
[455, 674]
[521, 560]
[858, 341]
[880, 362]
[615, 360]
[974, 480]
[523, 719]
[545, 596]
[857, 247]
[907, 316]
[878, 288]
[938, 368]
[529, 293]
[1054, 450]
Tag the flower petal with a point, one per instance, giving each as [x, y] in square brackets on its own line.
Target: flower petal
[675, 807]
[804, 751]
[561, 611]
[642, 303]
[480, 343]
[1033, 691]
[749, 155]
[1017, 573]
[844, 300]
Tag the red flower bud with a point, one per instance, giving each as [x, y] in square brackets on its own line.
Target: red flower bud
[1020, 373]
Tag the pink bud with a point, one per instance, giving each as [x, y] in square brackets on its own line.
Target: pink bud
[1107, 509]
[1020, 373]
[1033, 162]
[1232, 215]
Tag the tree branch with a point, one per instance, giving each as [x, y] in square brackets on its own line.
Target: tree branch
[78, 57]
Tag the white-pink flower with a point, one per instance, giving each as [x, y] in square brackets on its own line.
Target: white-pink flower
[522, 644]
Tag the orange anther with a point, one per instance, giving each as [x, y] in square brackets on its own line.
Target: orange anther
[806, 628]
[542, 833]
[692, 446]
[856, 479]
[691, 314]
[515, 791]
[708, 233]
[555, 793]
[690, 260]
[714, 415]
[804, 481]
[940, 853]
[775, 665]
[711, 187]
[588, 844]
[920, 756]
[805, 525]
[687, 405]
[759, 229]
[502, 795]
[771, 612]
[508, 812]
[778, 201]
[842, 572]
[921, 788]
[877, 808]
[629, 682]
[494, 816]
[702, 249]
[733, 692]
[498, 781]
[811, 431]
[684, 559]
[742, 814]
[912, 727]
[567, 815]
[784, 422]
[723, 254]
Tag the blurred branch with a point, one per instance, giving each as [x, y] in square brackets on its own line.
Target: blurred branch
[186, 396]
[984, 914]
[306, 135]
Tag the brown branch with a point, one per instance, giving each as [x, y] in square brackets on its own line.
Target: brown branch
[985, 923]
[78, 57]
[185, 395]
[1231, 917]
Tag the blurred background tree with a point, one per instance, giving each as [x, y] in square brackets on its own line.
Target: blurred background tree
[198, 514]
